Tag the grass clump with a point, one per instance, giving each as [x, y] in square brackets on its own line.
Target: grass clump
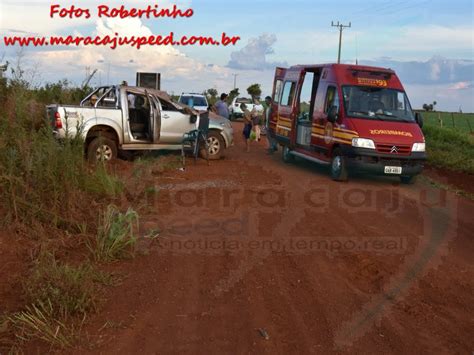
[59, 296]
[39, 322]
[449, 148]
[71, 290]
[115, 237]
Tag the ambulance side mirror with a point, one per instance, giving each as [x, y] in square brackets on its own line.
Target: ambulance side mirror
[419, 119]
[333, 114]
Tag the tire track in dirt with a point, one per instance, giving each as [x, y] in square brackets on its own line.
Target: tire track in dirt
[194, 301]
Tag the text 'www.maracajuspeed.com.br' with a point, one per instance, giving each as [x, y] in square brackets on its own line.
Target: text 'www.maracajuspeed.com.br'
[118, 41]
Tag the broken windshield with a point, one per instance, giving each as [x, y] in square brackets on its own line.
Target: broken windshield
[377, 103]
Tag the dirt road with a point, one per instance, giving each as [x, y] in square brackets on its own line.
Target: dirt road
[255, 256]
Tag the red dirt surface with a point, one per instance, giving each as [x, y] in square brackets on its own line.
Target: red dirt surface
[457, 180]
[255, 256]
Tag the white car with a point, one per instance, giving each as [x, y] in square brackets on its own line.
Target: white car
[196, 101]
[234, 108]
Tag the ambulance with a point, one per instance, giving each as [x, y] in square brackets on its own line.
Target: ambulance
[353, 118]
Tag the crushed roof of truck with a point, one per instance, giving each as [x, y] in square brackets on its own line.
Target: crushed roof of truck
[162, 95]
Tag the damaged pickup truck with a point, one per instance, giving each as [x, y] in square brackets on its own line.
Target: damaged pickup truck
[125, 118]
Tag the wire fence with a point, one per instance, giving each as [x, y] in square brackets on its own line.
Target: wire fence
[456, 120]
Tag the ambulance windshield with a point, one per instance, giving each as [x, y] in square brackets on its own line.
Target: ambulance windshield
[377, 103]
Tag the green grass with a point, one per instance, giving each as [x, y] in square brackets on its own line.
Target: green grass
[59, 296]
[72, 290]
[115, 237]
[46, 188]
[460, 121]
[449, 148]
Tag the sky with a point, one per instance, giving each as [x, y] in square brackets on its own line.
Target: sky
[429, 43]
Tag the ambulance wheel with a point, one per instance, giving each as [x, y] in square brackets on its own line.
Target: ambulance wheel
[287, 156]
[408, 179]
[338, 166]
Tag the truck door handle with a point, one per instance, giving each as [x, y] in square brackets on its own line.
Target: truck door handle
[166, 116]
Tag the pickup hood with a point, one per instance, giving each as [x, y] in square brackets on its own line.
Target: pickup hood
[388, 132]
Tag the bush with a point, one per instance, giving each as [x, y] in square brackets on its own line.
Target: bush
[449, 148]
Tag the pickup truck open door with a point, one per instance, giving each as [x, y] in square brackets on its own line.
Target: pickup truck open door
[154, 126]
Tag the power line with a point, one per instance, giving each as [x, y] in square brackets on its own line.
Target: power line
[341, 28]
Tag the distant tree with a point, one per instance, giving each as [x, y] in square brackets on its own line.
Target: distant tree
[255, 91]
[211, 92]
[232, 95]
[429, 107]
[211, 95]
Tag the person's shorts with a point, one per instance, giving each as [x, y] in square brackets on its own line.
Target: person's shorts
[247, 130]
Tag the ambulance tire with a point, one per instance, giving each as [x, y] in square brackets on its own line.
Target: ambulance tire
[338, 166]
[287, 156]
[408, 179]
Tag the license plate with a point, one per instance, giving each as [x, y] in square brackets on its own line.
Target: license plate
[393, 170]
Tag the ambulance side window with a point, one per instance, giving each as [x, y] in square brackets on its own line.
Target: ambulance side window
[277, 91]
[305, 96]
[332, 99]
[288, 93]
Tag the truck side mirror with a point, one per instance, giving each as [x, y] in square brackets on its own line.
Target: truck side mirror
[333, 114]
[193, 118]
[419, 119]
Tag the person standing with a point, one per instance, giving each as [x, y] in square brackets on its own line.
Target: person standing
[272, 143]
[247, 125]
[220, 107]
[257, 114]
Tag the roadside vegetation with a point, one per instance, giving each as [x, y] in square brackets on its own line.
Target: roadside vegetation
[449, 148]
[463, 122]
[52, 197]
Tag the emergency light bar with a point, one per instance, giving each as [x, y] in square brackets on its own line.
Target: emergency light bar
[385, 73]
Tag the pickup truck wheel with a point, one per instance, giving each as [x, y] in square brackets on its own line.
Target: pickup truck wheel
[215, 144]
[338, 166]
[408, 179]
[101, 149]
[287, 156]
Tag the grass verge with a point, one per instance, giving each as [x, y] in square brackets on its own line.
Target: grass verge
[450, 149]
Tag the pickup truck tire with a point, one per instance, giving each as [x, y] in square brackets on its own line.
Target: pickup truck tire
[101, 149]
[216, 146]
[338, 166]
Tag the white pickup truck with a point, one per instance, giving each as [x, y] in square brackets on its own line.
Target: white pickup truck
[114, 118]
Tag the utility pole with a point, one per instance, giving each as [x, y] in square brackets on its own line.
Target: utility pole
[235, 80]
[341, 28]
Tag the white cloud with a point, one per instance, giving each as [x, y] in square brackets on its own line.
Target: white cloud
[435, 71]
[447, 99]
[254, 55]
[462, 85]
[433, 37]
[179, 72]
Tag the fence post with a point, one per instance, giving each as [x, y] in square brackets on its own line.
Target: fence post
[440, 120]
[468, 123]
[452, 118]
